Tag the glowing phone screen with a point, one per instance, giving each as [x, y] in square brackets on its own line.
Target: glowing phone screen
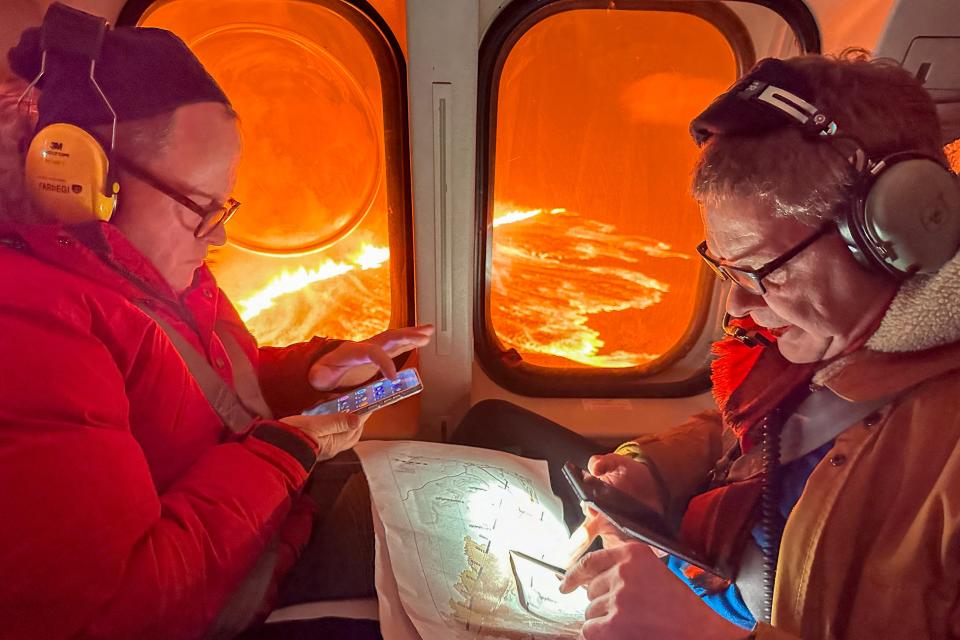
[372, 396]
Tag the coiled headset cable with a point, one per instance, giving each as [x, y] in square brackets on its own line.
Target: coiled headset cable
[771, 523]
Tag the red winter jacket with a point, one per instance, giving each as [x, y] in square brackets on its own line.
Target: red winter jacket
[128, 510]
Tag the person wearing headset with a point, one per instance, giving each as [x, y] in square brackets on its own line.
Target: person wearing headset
[828, 480]
[152, 455]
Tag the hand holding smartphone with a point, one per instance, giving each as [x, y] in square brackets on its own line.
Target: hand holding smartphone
[633, 518]
[373, 396]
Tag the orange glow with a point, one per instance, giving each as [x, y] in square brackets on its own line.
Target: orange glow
[953, 155]
[307, 253]
[344, 299]
[592, 167]
[570, 270]
[291, 282]
[394, 12]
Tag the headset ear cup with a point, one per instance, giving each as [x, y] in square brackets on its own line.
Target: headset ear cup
[109, 196]
[910, 217]
[850, 226]
[67, 174]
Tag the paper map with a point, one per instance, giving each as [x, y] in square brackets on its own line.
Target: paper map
[450, 516]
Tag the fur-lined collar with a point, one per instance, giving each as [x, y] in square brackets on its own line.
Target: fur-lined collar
[924, 314]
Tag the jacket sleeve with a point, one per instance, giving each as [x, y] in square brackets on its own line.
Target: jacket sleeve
[682, 457]
[283, 375]
[91, 548]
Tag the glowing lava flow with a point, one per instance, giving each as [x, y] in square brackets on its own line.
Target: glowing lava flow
[292, 281]
[565, 291]
[370, 257]
[510, 217]
[569, 291]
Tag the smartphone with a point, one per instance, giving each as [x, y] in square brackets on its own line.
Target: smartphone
[633, 518]
[543, 564]
[373, 396]
[538, 591]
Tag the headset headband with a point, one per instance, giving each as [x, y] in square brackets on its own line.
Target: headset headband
[770, 98]
[766, 99]
[902, 214]
[72, 33]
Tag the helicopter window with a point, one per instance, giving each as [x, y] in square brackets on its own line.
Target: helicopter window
[952, 150]
[589, 231]
[323, 243]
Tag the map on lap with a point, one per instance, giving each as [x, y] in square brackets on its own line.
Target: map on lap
[447, 518]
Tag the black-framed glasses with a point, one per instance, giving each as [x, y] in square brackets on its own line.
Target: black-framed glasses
[210, 217]
[752, 279]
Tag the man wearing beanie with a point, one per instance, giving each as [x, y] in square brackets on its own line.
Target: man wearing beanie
[152, 457]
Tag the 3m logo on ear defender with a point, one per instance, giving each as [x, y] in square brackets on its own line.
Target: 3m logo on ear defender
[54, 149]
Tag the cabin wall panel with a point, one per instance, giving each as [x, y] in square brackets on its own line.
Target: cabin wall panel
[437, 31]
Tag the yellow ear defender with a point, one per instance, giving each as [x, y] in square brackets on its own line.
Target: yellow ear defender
[68, 173]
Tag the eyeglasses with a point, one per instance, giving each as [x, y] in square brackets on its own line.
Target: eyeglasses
[210, 217]
[752, 279]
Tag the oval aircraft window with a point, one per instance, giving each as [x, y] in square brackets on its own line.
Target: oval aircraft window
[587, 231]
[324, 185]
[322, 244]
[593, 232]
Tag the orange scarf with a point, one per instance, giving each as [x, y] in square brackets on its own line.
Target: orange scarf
[749, 383]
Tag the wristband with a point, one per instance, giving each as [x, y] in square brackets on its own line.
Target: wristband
[630, 449]
[634, 451]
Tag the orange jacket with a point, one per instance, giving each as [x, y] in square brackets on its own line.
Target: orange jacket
[872, 549]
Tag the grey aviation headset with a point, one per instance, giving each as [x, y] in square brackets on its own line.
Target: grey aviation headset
[903, 216]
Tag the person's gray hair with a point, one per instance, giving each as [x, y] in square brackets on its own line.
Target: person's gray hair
[140, 140]
[16, 130]
[143, 139]
[876, 101]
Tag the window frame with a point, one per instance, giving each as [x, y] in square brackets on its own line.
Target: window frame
[505, 366]
[392, 67]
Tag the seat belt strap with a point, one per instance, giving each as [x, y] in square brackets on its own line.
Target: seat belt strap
[246, 382]
[819, 419]
[237, 409]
